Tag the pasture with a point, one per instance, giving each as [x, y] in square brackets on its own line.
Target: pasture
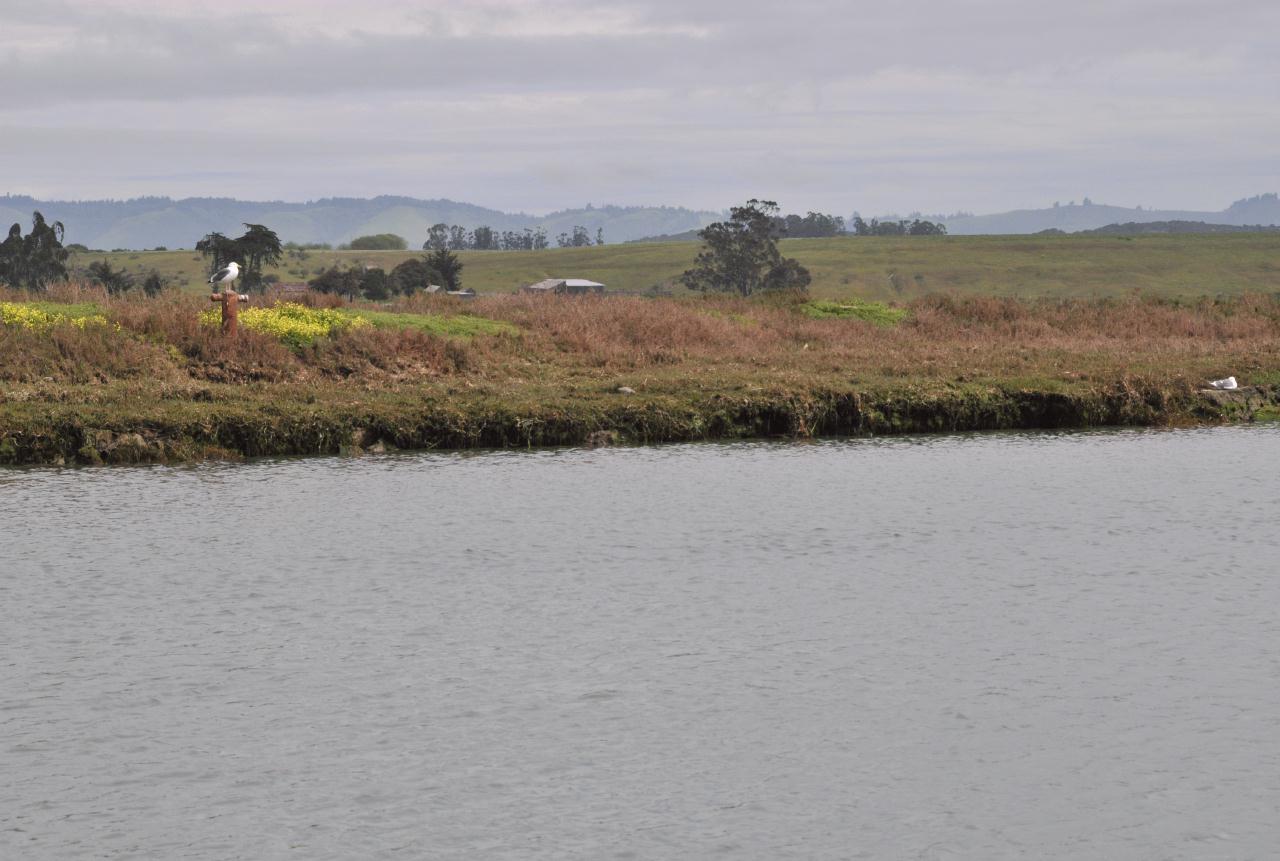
[869, 268]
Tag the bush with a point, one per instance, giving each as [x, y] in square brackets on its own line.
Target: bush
[379, 242]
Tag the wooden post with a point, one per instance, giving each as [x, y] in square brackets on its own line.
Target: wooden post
[230, 301]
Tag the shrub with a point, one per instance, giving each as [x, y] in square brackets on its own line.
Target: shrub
[294, 325]
[379, 242]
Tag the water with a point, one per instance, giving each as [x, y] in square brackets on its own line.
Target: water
[991, 646]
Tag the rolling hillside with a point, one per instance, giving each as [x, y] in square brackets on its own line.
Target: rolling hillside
[1263, 209]
[884, 268]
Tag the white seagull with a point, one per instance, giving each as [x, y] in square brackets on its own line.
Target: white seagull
[226, 275]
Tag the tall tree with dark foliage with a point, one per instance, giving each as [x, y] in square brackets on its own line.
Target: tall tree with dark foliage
[741, 255]
[34, 260]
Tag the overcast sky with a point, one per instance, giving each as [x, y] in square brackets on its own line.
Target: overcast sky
[535, 105]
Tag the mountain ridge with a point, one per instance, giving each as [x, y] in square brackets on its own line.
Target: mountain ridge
[1262, 209]
[149, 222]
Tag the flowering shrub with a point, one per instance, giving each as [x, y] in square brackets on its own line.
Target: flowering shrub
[36, 319]
[292, 324]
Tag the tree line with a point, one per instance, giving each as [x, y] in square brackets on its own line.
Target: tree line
[455, 237]
[39, 258]
[740, 255]
[901, 227]
[440, 267]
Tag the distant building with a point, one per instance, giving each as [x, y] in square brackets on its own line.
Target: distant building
[461, 294]
[564, 286]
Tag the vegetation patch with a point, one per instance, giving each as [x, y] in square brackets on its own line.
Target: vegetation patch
[292, 324]
[427, 372]
[43, 316]
[871, 312]
[459, 326]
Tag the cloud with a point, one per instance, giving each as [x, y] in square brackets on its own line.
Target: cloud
[539, 105]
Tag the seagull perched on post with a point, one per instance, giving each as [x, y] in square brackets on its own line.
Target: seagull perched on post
[226, 275]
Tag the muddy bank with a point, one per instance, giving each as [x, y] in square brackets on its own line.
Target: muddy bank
[60, 433]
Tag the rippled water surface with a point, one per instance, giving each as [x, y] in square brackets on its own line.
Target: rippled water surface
[994, 646]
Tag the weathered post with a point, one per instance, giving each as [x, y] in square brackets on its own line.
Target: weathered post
[230, 302]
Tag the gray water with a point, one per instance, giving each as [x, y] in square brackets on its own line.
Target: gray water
[991, 646]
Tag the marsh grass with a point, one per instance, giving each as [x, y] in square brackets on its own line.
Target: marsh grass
[561, 344]
[560, 370]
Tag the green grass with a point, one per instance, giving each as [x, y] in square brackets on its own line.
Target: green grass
[460, 326]
[844, 268]
[871, 312]
[71, 311]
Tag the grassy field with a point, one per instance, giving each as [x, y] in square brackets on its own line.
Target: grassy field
[877, 268]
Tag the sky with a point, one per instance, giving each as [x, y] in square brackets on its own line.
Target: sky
[536, 105]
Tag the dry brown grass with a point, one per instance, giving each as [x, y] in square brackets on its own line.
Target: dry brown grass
[944, 338]
[699, 342]
[386, 355]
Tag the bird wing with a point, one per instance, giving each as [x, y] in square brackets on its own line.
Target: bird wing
[220, 275]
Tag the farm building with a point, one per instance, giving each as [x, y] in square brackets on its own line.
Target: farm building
[571, 286]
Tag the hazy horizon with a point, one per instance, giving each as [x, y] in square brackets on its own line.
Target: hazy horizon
[536, 107]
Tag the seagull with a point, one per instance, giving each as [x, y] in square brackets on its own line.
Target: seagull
[226, 275]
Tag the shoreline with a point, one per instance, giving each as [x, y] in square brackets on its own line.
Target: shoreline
[203, 424]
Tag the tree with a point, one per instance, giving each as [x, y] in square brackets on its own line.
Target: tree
[741, 255]
[599, 236]
[221, 249]
[447, 266]
[375, 285]
[379, 242]
[12, 270]
[344, 282]
[437, 237]
[814, 224]
[920, 227]
[116, 281]
[458, 238]
[260, 247]
[413, 275]
[483, 239]
[257, 248]
[154, 284]
[34, 260]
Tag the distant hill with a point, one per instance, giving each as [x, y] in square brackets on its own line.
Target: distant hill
[149, 222]
[1134, 228]
[686, 236]
[1261, 210]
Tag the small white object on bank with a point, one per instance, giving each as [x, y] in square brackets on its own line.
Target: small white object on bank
[1227, 383]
